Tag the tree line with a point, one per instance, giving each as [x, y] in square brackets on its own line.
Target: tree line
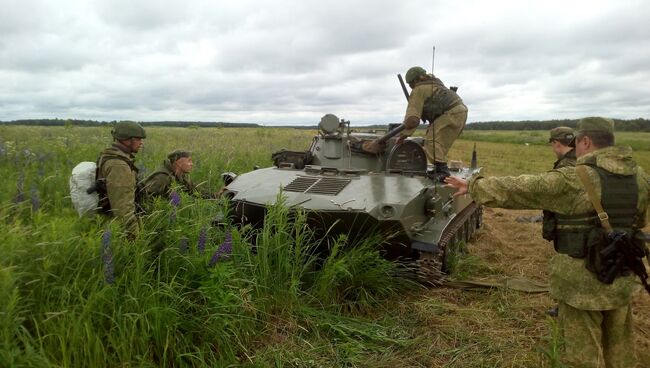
[77, 122]
[634, 125]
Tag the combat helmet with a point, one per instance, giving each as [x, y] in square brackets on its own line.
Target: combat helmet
[128, 129]
[414, 73]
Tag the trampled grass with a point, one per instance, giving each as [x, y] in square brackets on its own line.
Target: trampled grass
[75, 293]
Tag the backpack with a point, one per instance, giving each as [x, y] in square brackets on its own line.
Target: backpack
[83, 190]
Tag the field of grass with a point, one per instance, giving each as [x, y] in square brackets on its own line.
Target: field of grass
[75, 293]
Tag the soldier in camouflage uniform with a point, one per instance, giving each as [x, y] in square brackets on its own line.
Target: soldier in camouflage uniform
[560, 140]
[445, 111]
[595, 317]
[174, 170]
[116, 169]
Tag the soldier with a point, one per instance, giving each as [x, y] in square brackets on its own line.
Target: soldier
[430, 100]
[560, 141]
[116, 170]
[175, 169]
[595, 317]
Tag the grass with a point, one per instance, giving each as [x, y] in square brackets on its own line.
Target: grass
[71, 295]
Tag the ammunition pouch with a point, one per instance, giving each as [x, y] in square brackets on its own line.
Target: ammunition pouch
[294, 159]
[549, 224]
[573, 235]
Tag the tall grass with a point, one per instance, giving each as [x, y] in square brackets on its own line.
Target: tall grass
[78, 293]
[75, 292]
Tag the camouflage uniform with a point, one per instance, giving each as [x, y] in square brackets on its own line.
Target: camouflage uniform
[118, 169]
[549, 222]
[159, 183]
[569, 159]
[595, 317]
[443, 109]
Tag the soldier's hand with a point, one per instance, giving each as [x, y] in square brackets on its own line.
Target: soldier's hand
[459, 184]
[374, 147]
[400, 140]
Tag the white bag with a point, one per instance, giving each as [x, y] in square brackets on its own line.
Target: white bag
[82, 179]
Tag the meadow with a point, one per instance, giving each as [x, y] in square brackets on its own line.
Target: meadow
[74, 292]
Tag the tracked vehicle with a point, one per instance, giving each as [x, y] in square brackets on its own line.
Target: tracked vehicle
[345, 189]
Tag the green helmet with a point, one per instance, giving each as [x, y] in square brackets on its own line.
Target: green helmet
[414, 73]
[128, 129]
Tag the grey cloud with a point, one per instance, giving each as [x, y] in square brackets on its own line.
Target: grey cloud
[292, 61]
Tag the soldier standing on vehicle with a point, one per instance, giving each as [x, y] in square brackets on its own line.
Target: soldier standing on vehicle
[595, 316]
[117, 172]
[445, 111]
[174, 170]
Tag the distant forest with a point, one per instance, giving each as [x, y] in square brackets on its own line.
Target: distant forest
[75, 122]
[634, 125]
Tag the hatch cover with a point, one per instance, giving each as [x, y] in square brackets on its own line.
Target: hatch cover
[315, 185]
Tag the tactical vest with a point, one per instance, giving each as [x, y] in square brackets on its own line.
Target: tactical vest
[184, 182]
[443, 99]
[580, 236]
[100, 183]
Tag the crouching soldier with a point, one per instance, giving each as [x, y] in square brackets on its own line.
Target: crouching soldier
[174, 170]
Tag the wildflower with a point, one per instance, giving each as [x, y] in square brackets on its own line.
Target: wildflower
[224, 251]
[36, 202]
[107, 258]
[203, 237]
[182, 246]
[20, 194]
[175, 199]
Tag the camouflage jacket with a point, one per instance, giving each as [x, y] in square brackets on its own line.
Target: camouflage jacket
[118, 169]
[569, 159]
[549, 222]
[561, 191]
[430, 99]
[160, 182]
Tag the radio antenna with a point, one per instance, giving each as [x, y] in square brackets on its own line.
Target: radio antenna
[433, 131]
[433, 58]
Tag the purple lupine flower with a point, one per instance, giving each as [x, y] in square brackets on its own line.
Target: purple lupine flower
[36, 202]
[224, 251]
[175, 199]
[107, 258]
[19, 197]
[203, 237]
[20, 193]
[182, 245]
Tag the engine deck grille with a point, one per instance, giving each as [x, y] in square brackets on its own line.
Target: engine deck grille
[314, 185]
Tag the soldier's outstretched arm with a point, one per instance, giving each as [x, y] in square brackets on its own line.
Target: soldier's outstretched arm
[459, 184]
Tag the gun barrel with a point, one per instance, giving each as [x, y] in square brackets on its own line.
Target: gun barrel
[391, 134]
[401, 82]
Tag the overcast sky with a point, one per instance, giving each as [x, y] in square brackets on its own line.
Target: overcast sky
[290, 62]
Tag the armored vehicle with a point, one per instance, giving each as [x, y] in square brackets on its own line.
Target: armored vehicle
[345, 189]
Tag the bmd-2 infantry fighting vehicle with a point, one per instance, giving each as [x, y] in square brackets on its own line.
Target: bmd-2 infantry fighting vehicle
[345, 189]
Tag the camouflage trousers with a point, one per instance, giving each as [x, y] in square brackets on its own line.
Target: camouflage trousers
[442, 133]
[597, 339]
